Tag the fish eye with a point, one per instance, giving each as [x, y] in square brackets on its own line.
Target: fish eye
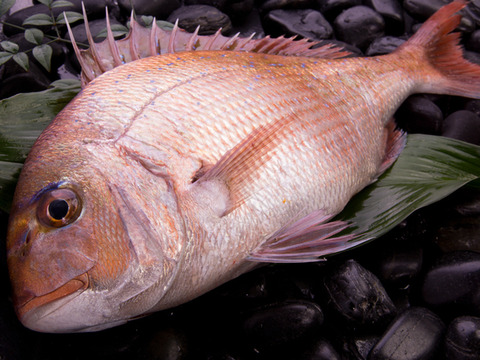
[59, 207]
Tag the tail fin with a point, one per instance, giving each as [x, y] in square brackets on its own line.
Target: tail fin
[447, 71]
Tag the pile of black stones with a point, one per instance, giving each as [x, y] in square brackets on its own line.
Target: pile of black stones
[411, 294]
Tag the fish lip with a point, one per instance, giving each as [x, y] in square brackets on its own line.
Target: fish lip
[76, 285]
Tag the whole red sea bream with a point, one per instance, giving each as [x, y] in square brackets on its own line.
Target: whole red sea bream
[170, 175]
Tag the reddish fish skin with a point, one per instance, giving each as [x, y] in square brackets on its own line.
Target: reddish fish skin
[178, 170]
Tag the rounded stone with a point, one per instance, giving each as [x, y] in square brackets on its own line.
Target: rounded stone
[282, 323]
[462, 125]
[383, 45]
[358, 295]
[419, 114]
[209, 18]
[359, 26]
[453, 282]
[332, 8]
[392, 13]
[416, 334]
[161, 9]
[309, 24]
[462, 340]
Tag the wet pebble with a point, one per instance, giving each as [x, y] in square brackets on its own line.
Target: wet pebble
[392, 13]
[452, 283]
[401, 265]
[161, 9]
[306, 23]
[332, 8]
[419, 114]
[358, 296]
[269, 5]
[359, 26]
[282, 324]
[422, 9]
[462, 340]
[459, 233]
[416, 334]
[209, 18]
[462, 125]
[383, 45]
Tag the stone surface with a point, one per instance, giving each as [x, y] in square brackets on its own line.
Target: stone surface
[419, 114]
[359, 26]
[161, 9]
[462, 125]
[416, 334]
[209, 18]
[383, 45]
[462, 340]
[307, 23]
[453, 283]
[358, 296]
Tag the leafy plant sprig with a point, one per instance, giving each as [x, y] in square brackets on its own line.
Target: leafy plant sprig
[42, 52]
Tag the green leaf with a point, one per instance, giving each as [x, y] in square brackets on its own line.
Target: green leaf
[35, 36]
[46, 2]
[72, 16]
[9, 46]
[4, 57]
[147, 20]
[61, 3]
[43, 54]
[38, 20]
[5, 5]
[165, 25]
[428, 169]
[117, 30]
[22, 60]
[22, 118]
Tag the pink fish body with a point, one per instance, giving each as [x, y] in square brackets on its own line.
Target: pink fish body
[173, 174]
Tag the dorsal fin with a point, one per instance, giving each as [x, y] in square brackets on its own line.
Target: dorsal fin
[143, 42]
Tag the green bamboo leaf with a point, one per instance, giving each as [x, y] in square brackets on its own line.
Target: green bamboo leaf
[43, 54]
[22, 118]
[9, 46]
[35, 36]
[428, 169]
[38, 20]
[72, 16]
[22, 60]
[4, 57]
[61, 3]
[5, 5]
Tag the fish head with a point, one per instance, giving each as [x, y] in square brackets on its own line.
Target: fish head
[72, 262]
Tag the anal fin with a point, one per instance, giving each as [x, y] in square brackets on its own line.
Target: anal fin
[395, 140]
[306, 240]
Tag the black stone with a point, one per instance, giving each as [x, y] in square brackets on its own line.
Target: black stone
[473, 105]
[269, 5]
[24, 82]
[462, 125]
[459, 233]
[161, 9]
[473, 42]
[462, 340]
[422, 9]
[383, 45]
[358, 295]
[321, 349]
[416, 334]
[453, 283]
[392, 13]
[402, 265]
[359, 26]
[307, 23]
[209, 18]
[281, 324]
[331, 8]
[419, 114]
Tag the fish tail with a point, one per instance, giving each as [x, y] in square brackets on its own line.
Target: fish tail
[442, 66]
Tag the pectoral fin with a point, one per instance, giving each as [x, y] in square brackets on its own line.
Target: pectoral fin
[306, 240]
[236, 168]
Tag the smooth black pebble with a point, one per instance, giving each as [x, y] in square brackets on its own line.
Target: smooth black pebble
[358, 295]
[462, 341]
[209, 18]
[462, 125]
[307, 23]
[416, 334]
[419, 114]
[359, 26]
[453, 282]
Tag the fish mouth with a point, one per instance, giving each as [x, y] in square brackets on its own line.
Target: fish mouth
[75, 285]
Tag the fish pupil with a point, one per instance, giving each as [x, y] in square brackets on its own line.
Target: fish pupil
[58, 209]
